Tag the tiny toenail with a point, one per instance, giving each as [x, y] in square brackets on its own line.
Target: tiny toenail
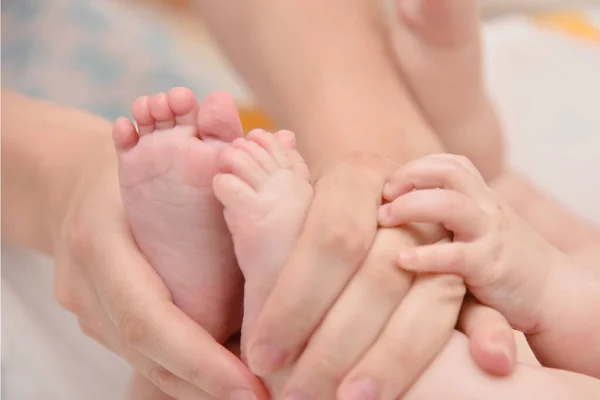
[264, 358]
[255, 132]
[360, 389]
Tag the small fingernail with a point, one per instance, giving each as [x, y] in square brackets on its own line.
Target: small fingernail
[242, 394]
[384, 212]
[296, 396]
[264, 358]
[361, 389]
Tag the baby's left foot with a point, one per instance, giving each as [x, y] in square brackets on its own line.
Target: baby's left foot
[437, 45]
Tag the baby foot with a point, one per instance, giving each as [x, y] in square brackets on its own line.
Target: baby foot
[166, 169]
[437, 45]
[265, 190]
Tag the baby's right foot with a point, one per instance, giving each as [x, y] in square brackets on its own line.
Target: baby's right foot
[437, 45]
[265, 190]
[166, 169]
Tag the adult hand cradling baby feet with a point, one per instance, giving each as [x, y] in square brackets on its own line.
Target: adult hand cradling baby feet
[324, 303]
[337, 268]
[201, 233]
[119, 298]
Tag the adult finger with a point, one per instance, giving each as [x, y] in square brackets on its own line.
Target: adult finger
[354, 322]
[146, 320]
[442, 258]
[163, 379]
[416, 332]
[337, 234]
[157, 375]
[491, 339]
[439, 171]
[455, 211]
[100, 328]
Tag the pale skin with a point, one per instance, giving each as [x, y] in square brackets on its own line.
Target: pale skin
[46, 115]
[264, 189]
[165, 166]
[68, 159]
[85, 182]
[333, 143]
[91, 246]
[73, 176]
[506, 264]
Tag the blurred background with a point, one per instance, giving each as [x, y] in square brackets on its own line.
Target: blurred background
[100, 55]
[543, 70]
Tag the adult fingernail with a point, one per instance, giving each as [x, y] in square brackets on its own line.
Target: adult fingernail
[361, 389]
[500, 360]
[296, 396]
[242, 394]
[264, 359]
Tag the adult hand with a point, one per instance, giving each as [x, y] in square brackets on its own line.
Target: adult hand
[341, 243]
[102, 278]
[491, 340]
[339, 231]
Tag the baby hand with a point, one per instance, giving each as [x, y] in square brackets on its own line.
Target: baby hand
[503, 261]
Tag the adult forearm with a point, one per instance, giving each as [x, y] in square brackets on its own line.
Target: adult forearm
[323, 70]
[44, 147]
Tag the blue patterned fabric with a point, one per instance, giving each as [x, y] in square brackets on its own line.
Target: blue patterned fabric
[92, 54]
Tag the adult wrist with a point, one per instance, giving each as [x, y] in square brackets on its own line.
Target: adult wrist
[66, 183]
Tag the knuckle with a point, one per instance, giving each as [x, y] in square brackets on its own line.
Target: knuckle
[458, 166]
[452, 167]
[450, 286]
[343, 237]
[132, 329]
[402, 356]
[457, 258]
[161, 378]
[194, 375]
[328, 365]
[385, 278]
[463, 160]
[453, 201]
